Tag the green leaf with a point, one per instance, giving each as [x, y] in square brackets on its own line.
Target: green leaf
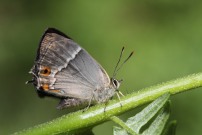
[147, 113]
[171, 128]
[124, 128]
[135, 123]
[157, 126]
[119, 131]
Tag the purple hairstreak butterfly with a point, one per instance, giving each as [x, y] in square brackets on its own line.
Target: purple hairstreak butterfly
[64, 70]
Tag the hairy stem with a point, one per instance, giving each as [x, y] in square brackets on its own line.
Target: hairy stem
[78, 121]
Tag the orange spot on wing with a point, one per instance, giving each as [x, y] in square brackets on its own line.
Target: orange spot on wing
[45, 87]
[45, 71]
[55, 91]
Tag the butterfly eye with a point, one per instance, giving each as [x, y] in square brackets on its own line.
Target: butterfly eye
[45, 71]
[115, 83]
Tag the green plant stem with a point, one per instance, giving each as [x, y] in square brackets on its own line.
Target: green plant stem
[79, 120]
[121, 123]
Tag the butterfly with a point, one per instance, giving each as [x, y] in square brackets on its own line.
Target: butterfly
[64, 70]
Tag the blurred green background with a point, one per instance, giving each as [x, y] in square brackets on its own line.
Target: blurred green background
[165, 35]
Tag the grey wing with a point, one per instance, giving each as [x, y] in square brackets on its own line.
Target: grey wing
[82, 76]
[73, 71]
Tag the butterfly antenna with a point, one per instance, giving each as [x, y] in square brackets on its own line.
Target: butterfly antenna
[118, 62]
[123, 63]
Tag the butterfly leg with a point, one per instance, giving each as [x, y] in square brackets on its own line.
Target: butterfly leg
[106, 103]
[118, 93]
[89, 104]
